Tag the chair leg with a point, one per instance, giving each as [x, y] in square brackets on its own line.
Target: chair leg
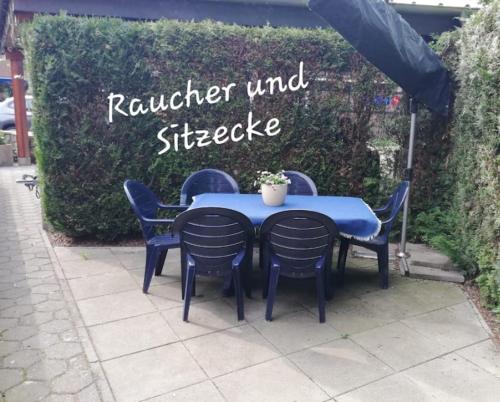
[320, 289]
[183, 276]
[190, 274]
[228, 286]
[151, 257]
[183, 273]
[248, 277]
[239, 294]
[265, 283]
[264, 266]
[383, 266]
[261, 254]
[160, 262]
[344, 248]
[271, 294]
[329, 285]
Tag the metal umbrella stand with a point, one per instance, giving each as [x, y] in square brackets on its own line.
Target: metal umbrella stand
[403, 253]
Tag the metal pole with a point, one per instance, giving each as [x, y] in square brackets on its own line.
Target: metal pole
[408, 176]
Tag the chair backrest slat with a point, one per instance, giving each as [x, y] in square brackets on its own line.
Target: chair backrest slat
[301, 184]
[214, 237]
[298, 239]
[397, 200]
[207, 181]
[144, 203]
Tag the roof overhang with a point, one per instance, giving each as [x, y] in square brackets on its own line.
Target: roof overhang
[426, 19]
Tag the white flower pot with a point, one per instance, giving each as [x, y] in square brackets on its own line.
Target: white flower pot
[273, 194]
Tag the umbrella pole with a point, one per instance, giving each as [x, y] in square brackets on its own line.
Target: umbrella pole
[403, 253]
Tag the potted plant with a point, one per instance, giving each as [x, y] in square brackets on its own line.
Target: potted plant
[6, 156]
[273, 187]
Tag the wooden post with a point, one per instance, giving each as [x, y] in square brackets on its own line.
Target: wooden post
[16, 58]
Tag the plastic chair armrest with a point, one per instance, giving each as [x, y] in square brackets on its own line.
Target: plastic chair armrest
[385, 208]
[238, 259]
[162, 221]
[172, 207]
[190, 260]
[319, 264]
[388, 220]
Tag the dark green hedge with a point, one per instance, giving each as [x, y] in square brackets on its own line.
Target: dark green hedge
[76, 62]
[475, 159]
[457, 202]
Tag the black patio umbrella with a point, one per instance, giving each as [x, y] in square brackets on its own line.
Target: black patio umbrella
[385, 39]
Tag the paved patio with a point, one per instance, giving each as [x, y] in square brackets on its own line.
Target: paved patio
[417, 341]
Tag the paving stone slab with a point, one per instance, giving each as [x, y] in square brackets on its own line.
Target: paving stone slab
[435, 295]
[41, 340]
[399, 346]
[65, 254]
[352, 315]
[9, 378]
[452, 378]
[435, 274]
[255, 308]
[425, 256]
[8, 347]
[6, 303]
[50, 305]
[340, 366]
[229, 350]
[483, 354]
[204, 391]
[22, 358]
[274, 381]
[99, 285]
[72, 381]
[6, 323]
[16, 311]
[138, 276]
[460, 320]
[296, 331]
[131, 335]
[18, 333]
[149, 369]
[88, 394]
[86, 268]
[28, 391]
[204, 318]
[395, 388]
[46, 370]
[168, 295]
[64, 350]
[56, 326]
[113, 307]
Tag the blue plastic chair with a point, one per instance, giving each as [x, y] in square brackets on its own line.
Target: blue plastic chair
[216, 242]
[379, 244]
[146, 206]
[301, 184]
[207, 181]
[298, 244]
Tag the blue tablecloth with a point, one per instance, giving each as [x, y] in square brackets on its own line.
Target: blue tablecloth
[354, 218]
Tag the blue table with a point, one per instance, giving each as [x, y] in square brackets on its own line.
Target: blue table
[354, 218]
